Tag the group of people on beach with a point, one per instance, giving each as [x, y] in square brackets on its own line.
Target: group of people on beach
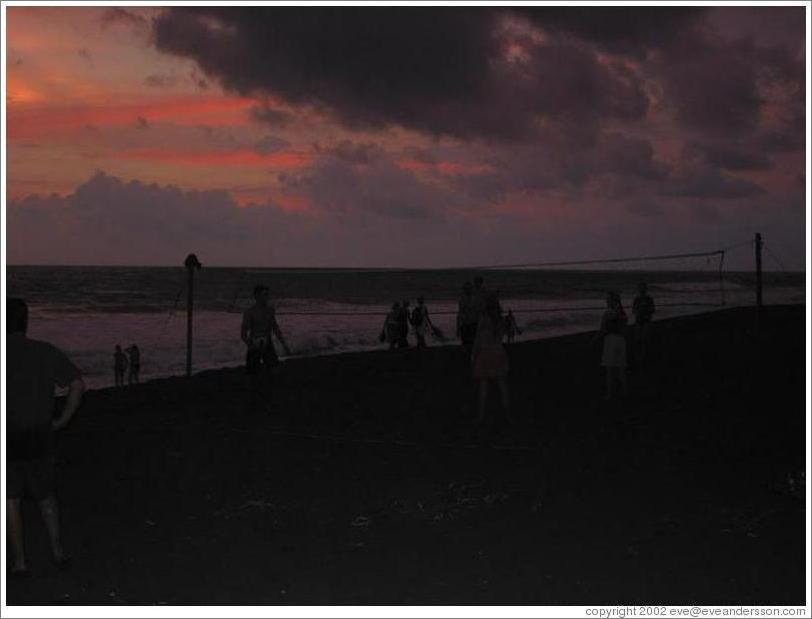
[124, 360]
[481, 326]
[35, 368]
[615, 334]
[395, 329]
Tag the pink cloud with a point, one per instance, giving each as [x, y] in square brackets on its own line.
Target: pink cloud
[241, 158]
[45, 121]
[449, 168]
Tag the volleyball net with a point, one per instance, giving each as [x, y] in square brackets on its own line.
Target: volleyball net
[340, 309]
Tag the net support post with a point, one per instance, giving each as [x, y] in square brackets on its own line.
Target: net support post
[722, 275]
[192, 264]
[759, 298]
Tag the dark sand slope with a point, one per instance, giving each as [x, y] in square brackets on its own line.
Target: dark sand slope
[172, 493]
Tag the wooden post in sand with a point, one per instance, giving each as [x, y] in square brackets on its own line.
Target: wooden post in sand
[191, 264]
[758, 272]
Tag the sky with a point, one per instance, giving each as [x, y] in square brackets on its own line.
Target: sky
[402, 136]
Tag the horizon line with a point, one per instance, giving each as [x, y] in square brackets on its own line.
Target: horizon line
[516, 267]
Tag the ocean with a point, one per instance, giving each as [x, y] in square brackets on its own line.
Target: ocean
[86, 311]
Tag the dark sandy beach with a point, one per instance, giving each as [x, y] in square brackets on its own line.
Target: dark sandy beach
[367, 483]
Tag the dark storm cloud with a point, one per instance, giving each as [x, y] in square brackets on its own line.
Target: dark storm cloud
[352, 152]
[271, 116]
[557, 162]
[782, 141]
[707, 182]
[439, 70]
[371, 66]
[448, 71]
[644, 208]
[629, 157]
[270, 144]
[788, 134]
[565, 81]
[619, 29]
[713, 88]
[731, 156]
[719, 85]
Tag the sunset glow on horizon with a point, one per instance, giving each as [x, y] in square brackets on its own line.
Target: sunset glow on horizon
[402, 136]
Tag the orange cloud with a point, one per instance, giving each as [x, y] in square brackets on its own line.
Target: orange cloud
[241, 158]
[293, 203]
[20, 92]
[25, 123]
[21, 188]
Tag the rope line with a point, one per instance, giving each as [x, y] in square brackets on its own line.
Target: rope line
[515, 311]
[722, 276]
[596, 261]
[494, 267]
[775, 258]
[737, 245]
[232, 308]
[174, 307]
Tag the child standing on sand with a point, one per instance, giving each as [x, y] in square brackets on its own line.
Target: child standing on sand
[613, 330]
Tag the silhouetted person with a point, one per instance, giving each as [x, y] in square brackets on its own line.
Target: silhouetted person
[34, 369]
[511, 328]
[480, 296]
[119, 365]
[135, 364]
[643, 309]
[390, 332]
[403, 325]
[467, 318]
[488, 359]
[421, 322]
[258, 328]
[613, 330]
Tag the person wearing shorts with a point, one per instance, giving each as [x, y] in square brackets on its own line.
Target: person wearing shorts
[258, 327]
[34, 369]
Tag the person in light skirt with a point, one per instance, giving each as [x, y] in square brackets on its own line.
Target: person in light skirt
[613, 330]
[489, 361]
